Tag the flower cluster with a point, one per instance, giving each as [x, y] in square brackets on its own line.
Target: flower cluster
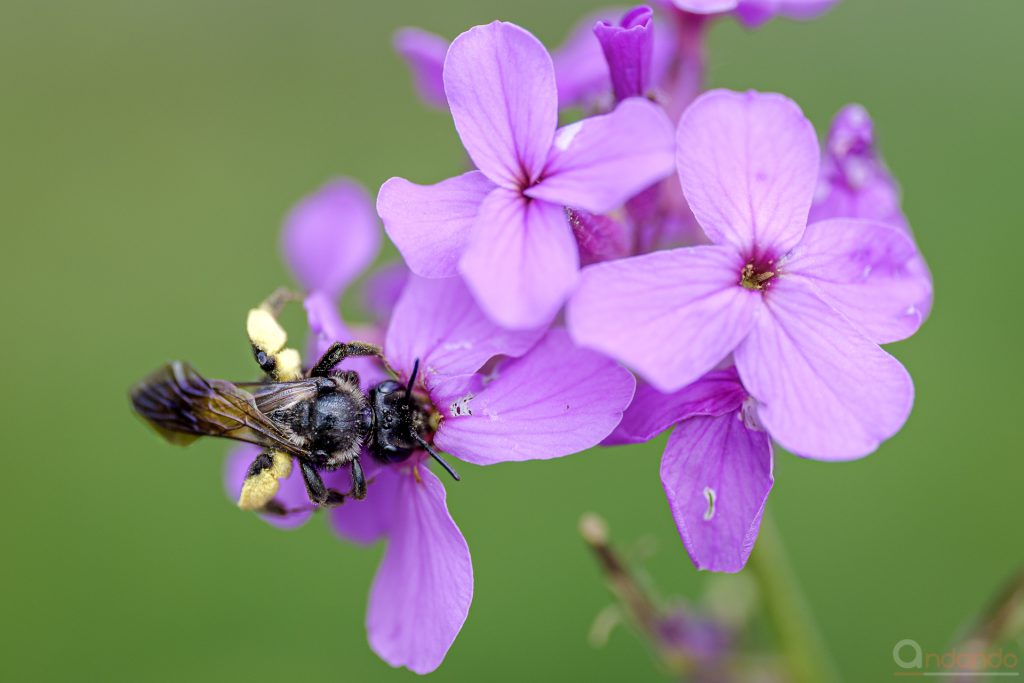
[703, 240]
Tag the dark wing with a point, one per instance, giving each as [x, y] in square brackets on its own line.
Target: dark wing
[284, 395]
[182, 406]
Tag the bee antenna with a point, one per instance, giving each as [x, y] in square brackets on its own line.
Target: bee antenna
[412, 377]
[436, 456]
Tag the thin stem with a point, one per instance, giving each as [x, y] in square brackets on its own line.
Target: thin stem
[799, 639]
[639, 607]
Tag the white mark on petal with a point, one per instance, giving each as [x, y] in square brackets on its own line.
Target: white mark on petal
[748, 413]
[709, 495]
[566, 134]
[461, 407]
[457, 346]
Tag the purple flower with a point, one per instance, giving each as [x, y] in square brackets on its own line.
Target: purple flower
[629, 49]
[331, 236]
[717, 466]
[504, 228]
[801, 307]
[756, 12]
[424, 53]
[854, 182]
[499, 396]
[584, 74]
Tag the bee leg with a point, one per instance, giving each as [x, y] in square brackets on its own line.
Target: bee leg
[268, 339]
[318, 492]
[262, 480]
[339, 351]
[358, 480]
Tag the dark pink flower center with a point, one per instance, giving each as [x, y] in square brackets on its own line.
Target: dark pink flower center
[757, 276]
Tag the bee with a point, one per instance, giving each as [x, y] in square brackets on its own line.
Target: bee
[320, 418]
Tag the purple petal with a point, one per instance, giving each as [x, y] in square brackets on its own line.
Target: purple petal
[717, 475]
[522, 262]
[876, 197]
[671, 315]
[870, 272]
[629, 48]
[706, 6]
[423, 588]
[424, 52]
[581, 71]
[600, 162]
[600, 238]
[368, 520]
[327, 327]
[748, 164]
[331, 236]
[825, 390]
[438, 322]
[556, 400]
[854, 182]
[500, 84]
[652, 412]
[431, 224]
[292, 494]
[382, 288]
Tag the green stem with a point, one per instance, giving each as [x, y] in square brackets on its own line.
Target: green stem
[799, 638]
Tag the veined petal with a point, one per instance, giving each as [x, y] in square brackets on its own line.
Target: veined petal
[438, 322]
[870, 272]
[368, 520]
[748, 164]
[522, 262]
[291, 495]
[423, 588]
[671, 315]
[424, 53]
[500, 84]
[825, 390]
[652, 412]
[600, 162]
[331, 236]
[717, 475]
[431, 224]
[556, 400]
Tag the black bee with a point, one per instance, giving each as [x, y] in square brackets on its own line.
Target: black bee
[320, 418]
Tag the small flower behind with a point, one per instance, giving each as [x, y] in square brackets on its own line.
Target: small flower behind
[503, 228]
[855, 183]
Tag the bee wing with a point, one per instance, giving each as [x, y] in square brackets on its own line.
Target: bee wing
[182, 405]
[283, 395]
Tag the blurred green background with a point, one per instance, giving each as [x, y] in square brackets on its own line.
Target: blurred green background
[149, 150]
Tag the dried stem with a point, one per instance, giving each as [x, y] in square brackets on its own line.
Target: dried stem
[640, 608]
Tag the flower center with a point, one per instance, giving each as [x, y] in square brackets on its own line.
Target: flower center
[757, 277]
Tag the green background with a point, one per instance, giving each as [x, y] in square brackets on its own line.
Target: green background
[149, 150]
